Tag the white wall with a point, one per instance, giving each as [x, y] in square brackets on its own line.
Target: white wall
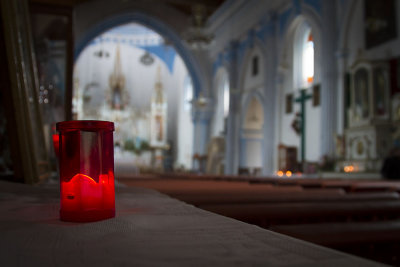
[313, 114]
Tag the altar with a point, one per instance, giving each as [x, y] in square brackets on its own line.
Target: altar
[369, 120]
[140, 131]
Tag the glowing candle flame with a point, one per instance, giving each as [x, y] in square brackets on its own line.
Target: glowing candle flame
[81, 176]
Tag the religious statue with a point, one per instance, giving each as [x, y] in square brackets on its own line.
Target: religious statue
[159, 128]
[296, 123]
[116, 98]
[339, 146]
[361, 94]
[379, 92]
[119, 96]
[158, 114]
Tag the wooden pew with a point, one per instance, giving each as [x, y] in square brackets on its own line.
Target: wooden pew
[267, 214]
[375, 186]
[342, 234]
[336, 195]
[344, 184]
[375, 240]
[273, 195]
[205, 187]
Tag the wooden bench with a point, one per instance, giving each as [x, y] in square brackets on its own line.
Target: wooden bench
[265, 215]
[375, 240]
[336, 195]
[343, 234]
[375, 186]
[274, 195]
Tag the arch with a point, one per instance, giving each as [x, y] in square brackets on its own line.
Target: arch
[247, 102]
[253, 118]
[312, 18]
[252, 134]
[290, 83]
[115, 20]
[344, 26]
[303, 31]
[266, 93]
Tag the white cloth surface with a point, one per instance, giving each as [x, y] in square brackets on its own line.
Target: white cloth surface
[150, 229]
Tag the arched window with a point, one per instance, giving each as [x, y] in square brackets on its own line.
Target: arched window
[303, 72]
[188, 93]
[308, 59]
[226, 97]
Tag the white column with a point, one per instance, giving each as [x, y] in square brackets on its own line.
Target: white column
[341, 56]
[329, 78]
[201, 122]
[233, 127]
[270, 112]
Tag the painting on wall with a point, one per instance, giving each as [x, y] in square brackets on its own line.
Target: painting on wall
[361, 96]
[254, 68]
[159, 128]
[380, 22]
[380, 91]
[316, 95]
[347, 98]
[289, 103]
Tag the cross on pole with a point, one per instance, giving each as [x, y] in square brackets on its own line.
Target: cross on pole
[302, 100]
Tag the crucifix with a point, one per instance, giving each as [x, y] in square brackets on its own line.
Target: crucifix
[302, 100]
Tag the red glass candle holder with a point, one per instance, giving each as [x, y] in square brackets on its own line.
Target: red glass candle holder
[56, 143]
[86, 159]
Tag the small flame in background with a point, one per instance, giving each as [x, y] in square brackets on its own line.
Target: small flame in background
[350, 168]
[287, 173]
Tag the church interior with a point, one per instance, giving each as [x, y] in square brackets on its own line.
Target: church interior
[245, 132]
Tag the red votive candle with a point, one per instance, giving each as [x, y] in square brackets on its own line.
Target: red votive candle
[86, 159]
[56, 143]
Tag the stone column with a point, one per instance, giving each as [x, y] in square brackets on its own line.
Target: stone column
[233, 127]
[329, 78]
[341, 56]
[201, 114]
[271, 90]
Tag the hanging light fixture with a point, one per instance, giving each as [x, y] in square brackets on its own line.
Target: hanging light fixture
[102, 52]
[146, 59]
[196, 35]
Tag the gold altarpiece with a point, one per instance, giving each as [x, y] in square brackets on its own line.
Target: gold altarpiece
[368, 133]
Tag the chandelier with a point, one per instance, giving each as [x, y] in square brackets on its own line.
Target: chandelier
[146, 59]
[196, 36]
